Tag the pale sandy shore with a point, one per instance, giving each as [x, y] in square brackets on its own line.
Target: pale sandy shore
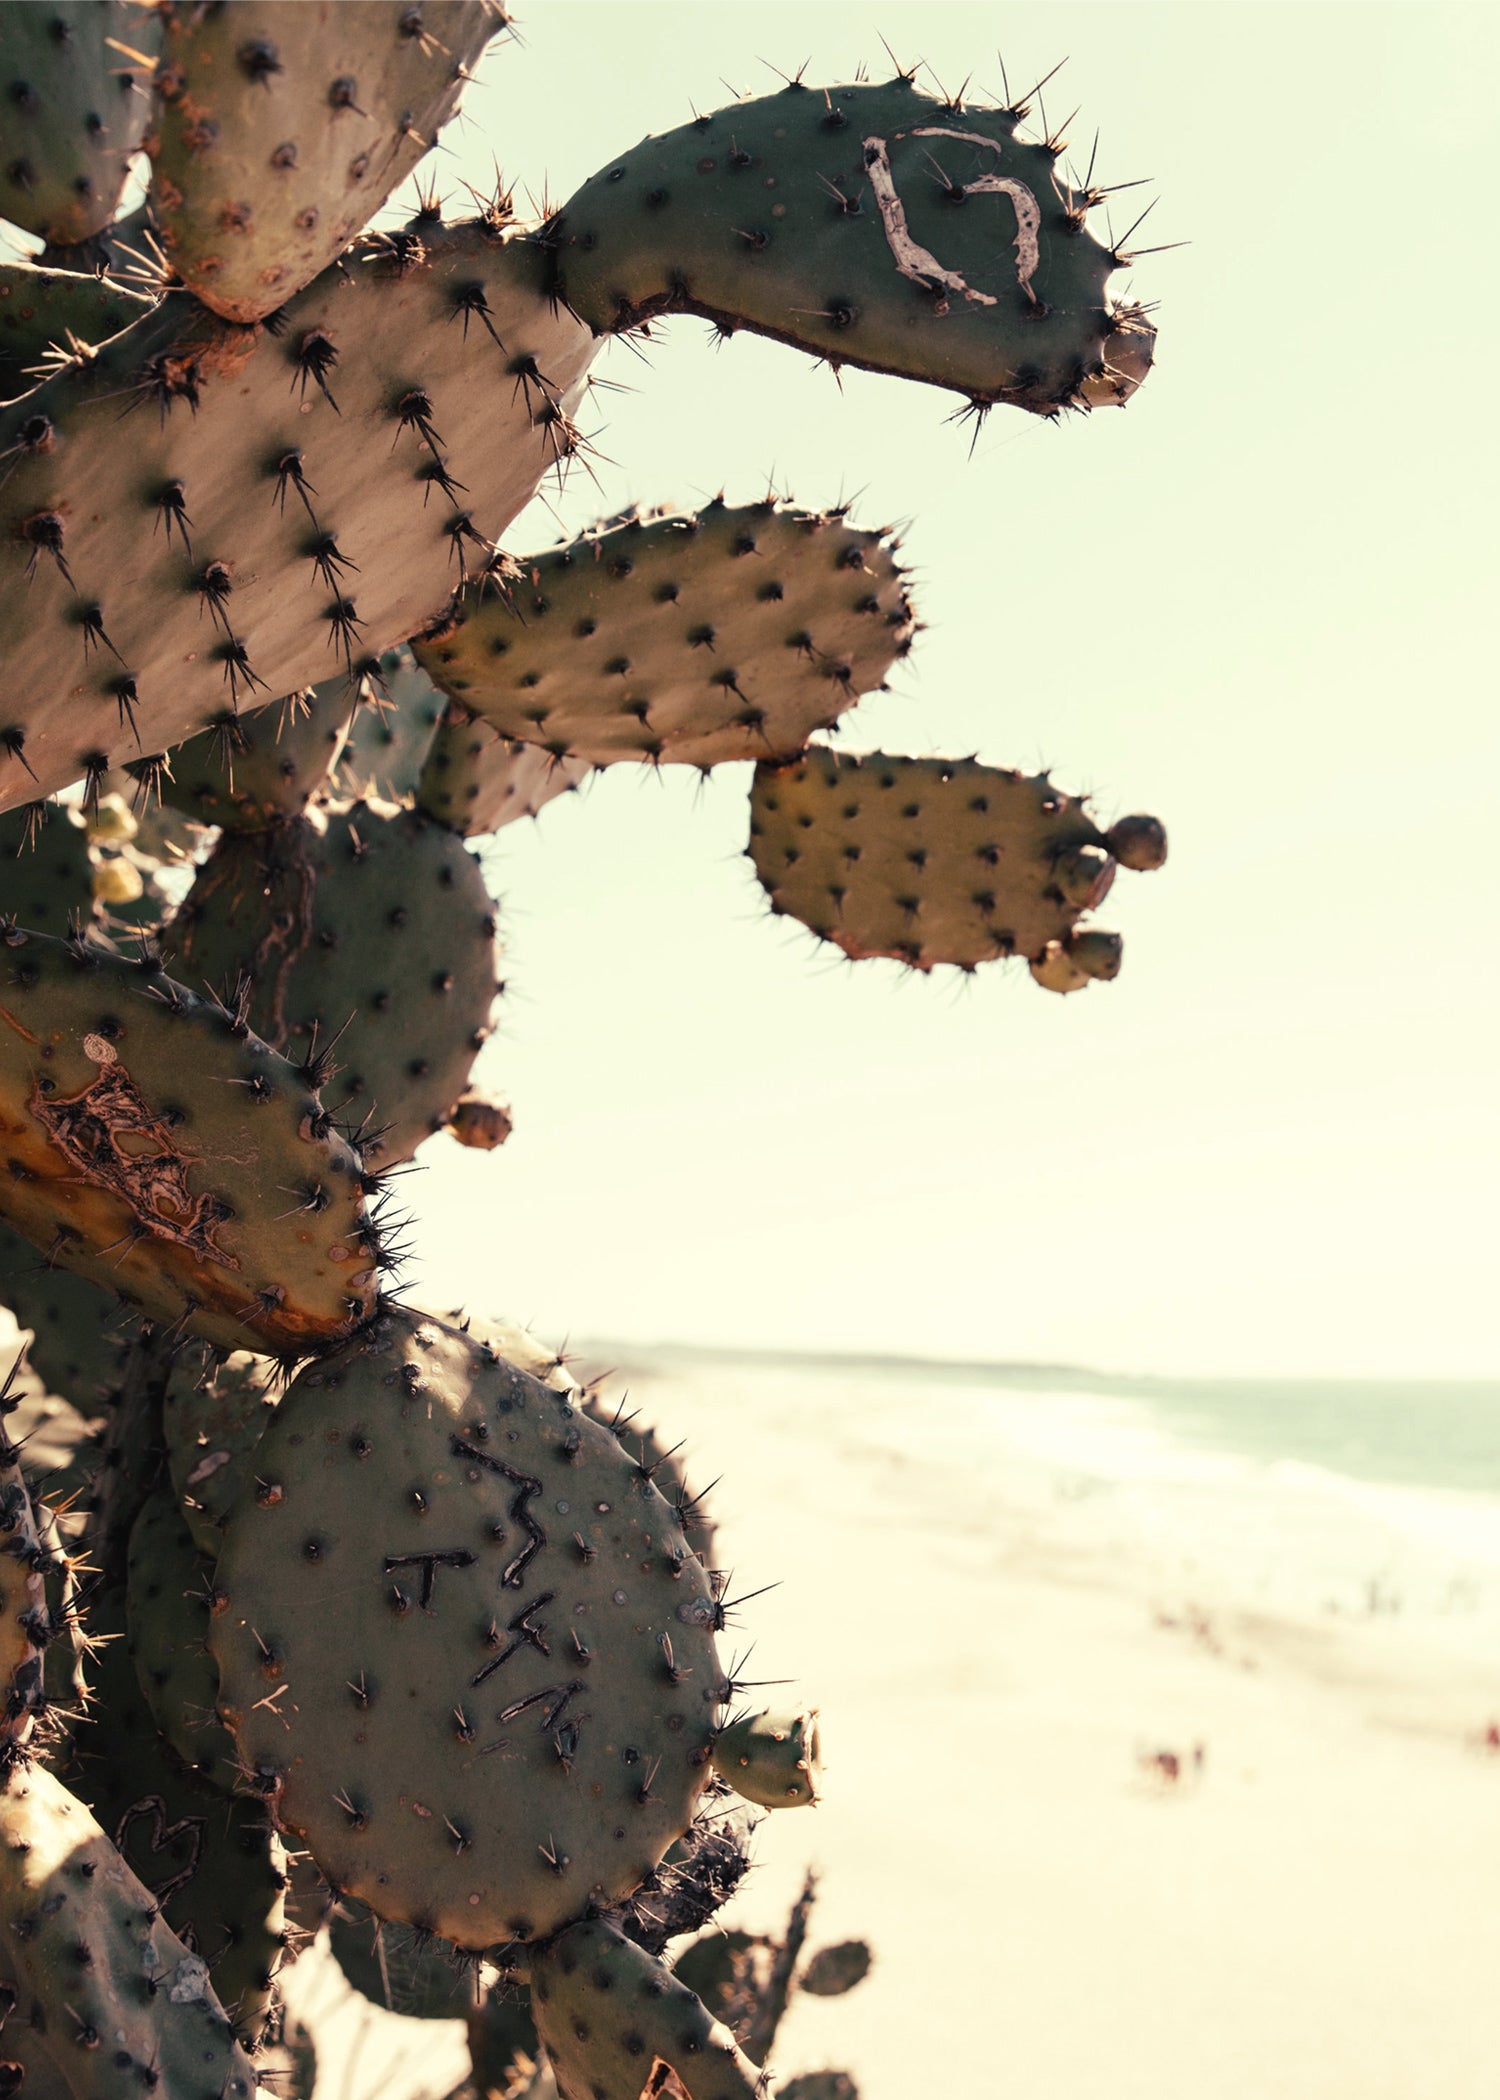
[1314, 1917]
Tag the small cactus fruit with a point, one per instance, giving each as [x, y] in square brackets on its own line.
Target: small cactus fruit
[463, 1648]
[730, 633]
[393, 1966]
[392, 732]
[46, 874]
[156, 1147]
[168, 1599]
[214, 1412]
[476, 780]
[72, 81]
[928, 860]
[282, 130]
[609, 2014]
[123, 2002]
[367, 940]
[480, 1121]
[213, 1863]
[233, 547]
[872, 225]
[772, 1759]
[47, 311]
[249, 770]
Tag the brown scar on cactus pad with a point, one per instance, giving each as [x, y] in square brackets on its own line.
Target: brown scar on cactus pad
[365, 938]
[693, 638]
[119, 1994]
[280, 131]
[73, 77]
[939, 860]
[463, 1647]
[618, 2024]
[152, 1144]
[873, 225]
[245, 512]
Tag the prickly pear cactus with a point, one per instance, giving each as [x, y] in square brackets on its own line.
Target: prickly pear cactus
[697, 638]
[285, 1564]
[366, 941]
[280, 131]
[872, 225]
[464, 1650]
[937, 860]
[153, 1142]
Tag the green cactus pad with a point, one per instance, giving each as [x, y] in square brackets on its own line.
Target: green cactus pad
[42, 310]
[732, 633]
[392, 732]
[772, 1759]
[72, 80]
[160, 1149]
[476, 780]
[46, 875]
[608, 2013]
[25, 1627]
[836, 1969]
[874, 226]
[250, 770]
[213, 1863]
[213, 1416]
[928, 860]
[168, 1599]
[64, 1887]
[375, 929]
[282, 130]
[204, 517]
[463, 1650]
[395, 1967]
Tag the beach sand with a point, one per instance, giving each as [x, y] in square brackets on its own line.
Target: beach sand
[1314, 1915]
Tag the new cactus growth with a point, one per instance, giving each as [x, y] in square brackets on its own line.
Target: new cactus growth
[329, 1570]
[772, 1759]
[729, 633]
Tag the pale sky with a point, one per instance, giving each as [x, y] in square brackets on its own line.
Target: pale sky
[1251, 603]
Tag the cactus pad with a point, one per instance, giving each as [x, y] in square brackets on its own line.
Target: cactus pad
[463, 1648]
[392, 1966]
[872, 225]
[372, 929]
[90, 1948]
[282, 130]
[392, 732]
[213, 1415]
[725, 634]
[41, 310]
[167, 1604]
[476, 780]
[251, 769]
[46, 874]
[152, 1143]
[930, 860]
[608, 2013]
[75, 111]
[178, 537]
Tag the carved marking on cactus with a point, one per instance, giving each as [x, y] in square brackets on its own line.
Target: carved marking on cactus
[919, 263]
[115, 1141]
[160, 1833]
[528, 1485]
[429, 1563]
[525, 1632]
